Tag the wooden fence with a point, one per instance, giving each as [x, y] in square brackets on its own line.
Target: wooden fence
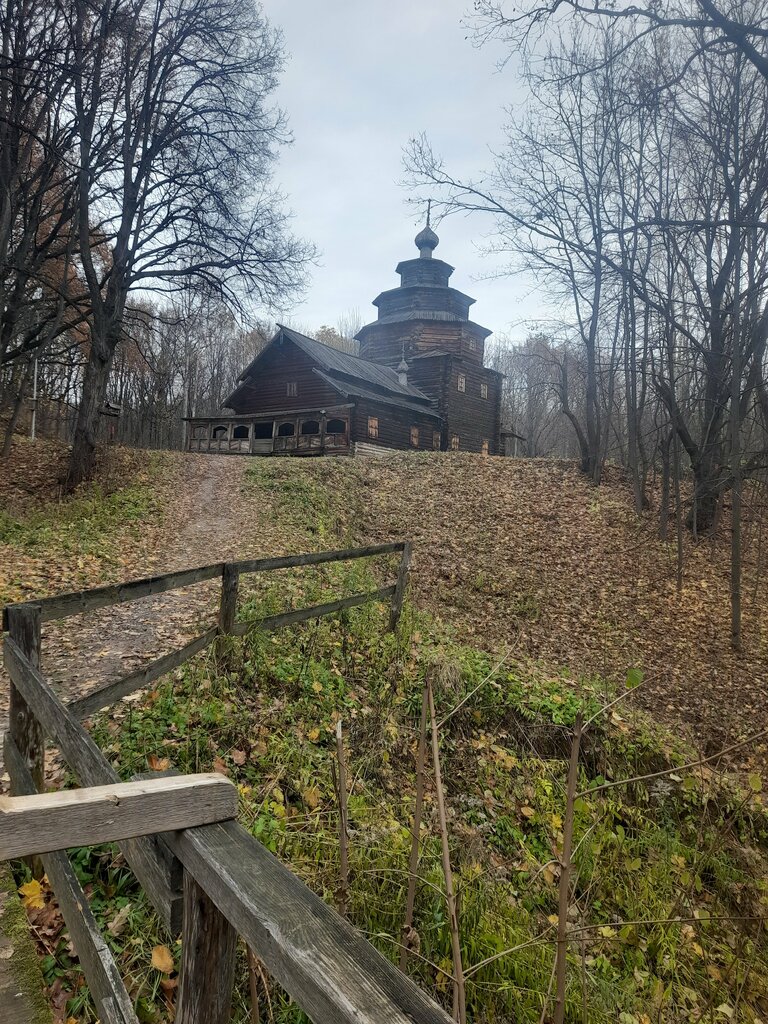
[208, 879]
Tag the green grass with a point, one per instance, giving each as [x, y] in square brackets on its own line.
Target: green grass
[647, 852]
[265, 709]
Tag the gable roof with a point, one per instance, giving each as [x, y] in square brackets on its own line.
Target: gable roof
[344, 365]
[357, 390]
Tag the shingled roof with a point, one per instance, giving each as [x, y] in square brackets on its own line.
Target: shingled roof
[352, 374]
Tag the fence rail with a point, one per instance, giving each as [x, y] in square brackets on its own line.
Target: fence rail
[208, 878]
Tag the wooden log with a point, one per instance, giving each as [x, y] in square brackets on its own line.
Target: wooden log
[228, 608]
[160, 875]
[113, 1003]
[319, 959]
[315, 612]
[63, 605]
[317, 557]
[83, 707]
[104, 814]
[208, 956]
[402, 583]
[24, 630]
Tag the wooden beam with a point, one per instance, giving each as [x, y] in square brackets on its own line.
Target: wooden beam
[402, 583]
[317, 557]
[113, 1004]
[103, 814]
[24, 629]
[208, 956]
[323, 963]
[105, 696]
[160, 876]
[228, 606]
[315, 612]
[63, 605]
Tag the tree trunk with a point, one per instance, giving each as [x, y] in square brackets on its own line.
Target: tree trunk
[18, 402]
[83, 458]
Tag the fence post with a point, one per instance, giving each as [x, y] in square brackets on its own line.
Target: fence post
[208, 954]
[228, 608]
[24, 628]
[402, 582]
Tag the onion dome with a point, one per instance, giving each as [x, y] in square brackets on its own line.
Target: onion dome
[426, 241]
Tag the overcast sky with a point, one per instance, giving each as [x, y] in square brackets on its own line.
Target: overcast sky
[363, 76]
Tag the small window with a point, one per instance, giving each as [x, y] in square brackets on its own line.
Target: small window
[286, 430]
[414, 437]
[436, 440]
[484, 448]
[462, 383]
[263, 431]
[199, 432]
[373, 426]
[455, 443]
[220, 432]
[241, 431]
[310, 427]
[483, 390]
[472, 344]
[291, 389]
[336, 427]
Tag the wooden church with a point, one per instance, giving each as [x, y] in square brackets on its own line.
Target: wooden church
[419, 381]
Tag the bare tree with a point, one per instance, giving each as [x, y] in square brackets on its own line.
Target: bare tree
[176, 140]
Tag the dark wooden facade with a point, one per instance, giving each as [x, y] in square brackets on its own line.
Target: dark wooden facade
[419, 382]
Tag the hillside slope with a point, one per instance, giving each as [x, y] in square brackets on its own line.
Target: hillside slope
[526, 555]
[519, 555]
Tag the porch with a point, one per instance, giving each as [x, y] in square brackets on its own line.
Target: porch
[286, 432]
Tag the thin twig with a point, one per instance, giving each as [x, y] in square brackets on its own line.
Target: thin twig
[564, 895]
[459, 999]
[413, 861]
[677, 768]
[343, 824]
[471, 694]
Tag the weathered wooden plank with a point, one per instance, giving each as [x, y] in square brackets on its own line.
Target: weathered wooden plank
[317, 557]
[228, 608]
[104, 814]
[315, 612]
[402, 582]
[105, 696]
[63, 605]
[208, 956]
[158, 874]
[319, 959]
[107, 988]
[24, 629]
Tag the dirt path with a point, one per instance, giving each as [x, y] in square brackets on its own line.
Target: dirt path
[215, 514]
[209, 524]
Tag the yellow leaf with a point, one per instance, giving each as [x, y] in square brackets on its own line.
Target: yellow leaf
[311, 797]
[313, 735]
[162, 959]
[317, 687]
[158, 764]
[527, 812]
[553, 919]
[32, 895]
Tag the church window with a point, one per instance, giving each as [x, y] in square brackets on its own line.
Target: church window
[286, 430]
[373, 426]
[336, 427]
[455, 443]
[485, 447]
[199, 432]
[472, 344]
[436, 440]
[483, 390]
[414, 437]
[220, 432]
[291, 389]
[241, 431]
[310, 427]
[462, 382]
